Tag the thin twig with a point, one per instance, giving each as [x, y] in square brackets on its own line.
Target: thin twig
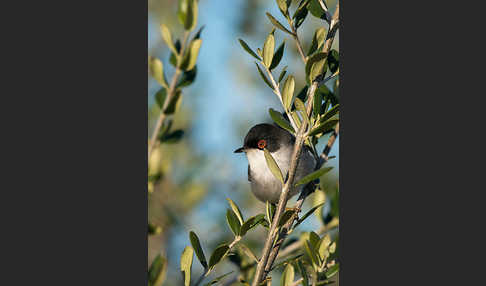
[170, 94]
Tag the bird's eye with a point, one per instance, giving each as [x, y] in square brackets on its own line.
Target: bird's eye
[262, 144]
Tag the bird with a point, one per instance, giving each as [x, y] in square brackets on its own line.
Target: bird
[280, 143]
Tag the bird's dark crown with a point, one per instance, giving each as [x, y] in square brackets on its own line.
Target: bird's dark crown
[275, 137]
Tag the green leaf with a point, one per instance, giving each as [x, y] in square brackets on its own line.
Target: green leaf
[317, 40]
[264, 77]
[333, 61]
[233, 222]
[282, 74]
[288, 92]
[303, 93]
[311, 253]
[333, 111]
[186, 264]
[270, 209]
[272, 165]
[277, 56]
[182, 11]
[153, 229]
[316, 9]
[316, 109]
[191, 55]
[314, 240]
[167, 37]
[287, 276]
[268, 49]
[175, 103]
[157, 71]
[278, 118]
[249, 224]
[277, 24]
[219, 278]
[332, 271]
[191, 16]
[316, 65]
[313, 176]
[285, 217]
[187, 78]
[174, 58]
[307, 214]
[303, 273]
[248, 49]
[160, 97]
[301, 13]
[198, 249]
[217, 255]
[282, 5]
[301, 107]
[236, 210]
[157, 271]
[248, 252]
[324, 127]
[172, 137]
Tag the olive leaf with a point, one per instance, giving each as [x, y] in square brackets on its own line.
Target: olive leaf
[233, 222]
[191, 15]
[268, 49]
[160, 97]
[307, 214]
[236, 210]
[332, 271]
[272, 165]
[167, 37]
[248, 252]
[282, 5]
[249, 224]
[174, 103]
[288, 92]
[190, 58]
[315, 66]
[287, 276]
[217, 255]
[157, 271]
[173, 137]
[278, 118]
[187, 78]
[263, 76]
[277, 24]
[157, 71]
[324, 127]
[282, 74]
[313, 176]
[219, 278]
[317, 40]
[330, 113]
[198, 249]
[303, 273]
[277, 56]
[301, 13]
[248, 49]
[186, 264]
[285, 217]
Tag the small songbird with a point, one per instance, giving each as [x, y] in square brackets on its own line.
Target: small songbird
[280, 144]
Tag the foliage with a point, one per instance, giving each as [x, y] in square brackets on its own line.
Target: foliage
[311, 114]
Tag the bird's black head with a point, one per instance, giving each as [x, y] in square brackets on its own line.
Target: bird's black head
[266, 136]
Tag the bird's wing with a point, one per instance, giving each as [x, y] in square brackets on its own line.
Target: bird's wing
[249, 176]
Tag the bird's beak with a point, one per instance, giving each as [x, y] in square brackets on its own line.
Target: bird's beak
[239, 150]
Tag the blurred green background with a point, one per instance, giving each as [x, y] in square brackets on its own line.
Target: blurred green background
[226, 100]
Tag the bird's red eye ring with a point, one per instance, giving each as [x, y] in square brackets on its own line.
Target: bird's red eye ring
[262, 144]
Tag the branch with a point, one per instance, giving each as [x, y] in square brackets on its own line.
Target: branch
[168, 98]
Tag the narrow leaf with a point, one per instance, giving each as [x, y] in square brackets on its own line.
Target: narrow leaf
[217, 255]
[333, 61]
[186, 264]
[307, 214]
[311, 253]
[332, 270]
[249, 224]
[157, 271]
[264, 77]
[175, 103]
[191, 16]
[278, 118]
[282, 74]
[317, 40]
[288, 92]
[219, 278]
[314, 240]
[157, 71]
[187, 78]
[236, 210]
[191, 55]
[173, 137]
[317, 104]
[301, 107]
[277, 24]
[248, 49]
[233, 222]
[160, 97]
[270, 209]
[324, 127]
[313, 176]
[167, 37]
[248, 252]
[277, 56]
[268, 49]
[198, 249]
[332, 247]
[272, 165]
[330, 113]
[303, 273]
[287, 276]
[282, 5]
[315, 66]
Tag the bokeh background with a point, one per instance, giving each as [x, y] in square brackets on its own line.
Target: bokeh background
[227, 98]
